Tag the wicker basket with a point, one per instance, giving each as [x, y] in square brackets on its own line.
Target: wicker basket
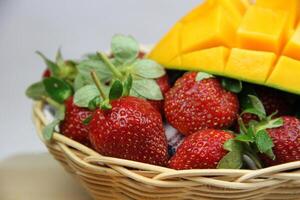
[112, 178]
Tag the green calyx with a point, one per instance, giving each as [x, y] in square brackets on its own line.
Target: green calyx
[60, 68]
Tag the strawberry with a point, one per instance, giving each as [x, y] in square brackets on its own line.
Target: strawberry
[286, 141]
[193, 105]
[132, 129]
[164, 86]
[46, 73]
[72, 126]
[201, 150]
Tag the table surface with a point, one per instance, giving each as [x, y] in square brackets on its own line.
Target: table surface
[36, 177]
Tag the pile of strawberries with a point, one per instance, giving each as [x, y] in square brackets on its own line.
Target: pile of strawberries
[119, 105]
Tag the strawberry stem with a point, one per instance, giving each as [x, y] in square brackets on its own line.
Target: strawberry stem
[51, 102]
[98, 85]
[112, 68]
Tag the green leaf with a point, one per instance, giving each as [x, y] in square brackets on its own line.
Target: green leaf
[254, 111]
[57, 89]
[36, 91]
[148, 69]
[265, 124]
[124, 48]
[232, 160]
[147, 88]
[85, 95]
[202, 75]
[257, 104]
[263, 141]
[60, 112]
[116, 90]
[59, 59]
[105, 105]
[79, 82]
[127, 85]
[87, 66]
[244, 138]
[54, 69]
[232, 85]
[233, 145]
[270, 154]
[95, 103]
[49, 129]
[87, 120]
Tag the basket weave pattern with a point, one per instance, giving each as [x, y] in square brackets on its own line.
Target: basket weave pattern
[112, 178]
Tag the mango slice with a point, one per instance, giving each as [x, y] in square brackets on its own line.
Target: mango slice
[286, 75]
[168, 48]
[208, 31]
[262, 29]
[291, 7]
[254, 42]
[292, 48]
[211, 60]
[248, 65]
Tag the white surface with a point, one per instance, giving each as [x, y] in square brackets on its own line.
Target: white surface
[78, 26]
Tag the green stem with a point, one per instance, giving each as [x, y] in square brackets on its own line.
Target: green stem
[99, 85]
[51, 102]
[112, 68]
[242, 125]
[252, 155]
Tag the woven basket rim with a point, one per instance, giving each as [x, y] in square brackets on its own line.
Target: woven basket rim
[162, 176]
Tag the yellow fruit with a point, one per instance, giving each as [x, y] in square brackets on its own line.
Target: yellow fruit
[248, 65]
[211, 60]
[256, 43]
[262, 29]
[286, 75]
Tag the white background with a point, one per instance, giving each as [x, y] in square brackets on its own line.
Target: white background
[79, 26]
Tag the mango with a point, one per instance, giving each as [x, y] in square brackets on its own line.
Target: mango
[286, 75]
[253, 42]
[168, 48]
[292, 48]
[208, 31]
[248, 65]
[211, 60]
[262, 29]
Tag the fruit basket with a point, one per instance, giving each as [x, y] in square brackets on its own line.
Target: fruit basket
[196, 118]
[112, 178]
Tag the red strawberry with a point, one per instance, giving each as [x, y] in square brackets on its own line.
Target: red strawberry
[201, 150]
[73, 126]
[286, 140]
[273, 100]
[164, 85]
[46, 73]
[195, 105]
[131, 130]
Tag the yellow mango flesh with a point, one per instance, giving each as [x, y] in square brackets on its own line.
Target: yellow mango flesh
[291, 6]
[292, 48]
[207, 31]
[248, 65]
[286, 75]
[262, 29]
[257, 43]
[215, 58]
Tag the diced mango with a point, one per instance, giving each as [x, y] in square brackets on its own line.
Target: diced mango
[292, 48]
[262, 29]
[211, 30]
[168, 48]
[248, 65]
[246, 3]
[209, 60]
[286, 75]
[291, 6]
[175, 63]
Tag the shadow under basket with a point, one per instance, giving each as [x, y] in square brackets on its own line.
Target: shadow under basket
[112, 178]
